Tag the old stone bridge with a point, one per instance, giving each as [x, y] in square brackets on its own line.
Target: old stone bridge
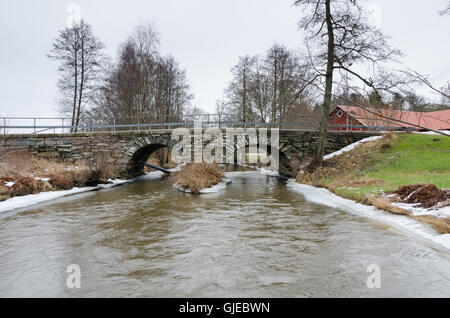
[128, 151]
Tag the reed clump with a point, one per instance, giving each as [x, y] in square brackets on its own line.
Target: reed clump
[197, 176]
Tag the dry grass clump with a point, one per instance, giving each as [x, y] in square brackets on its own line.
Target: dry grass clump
[4, 192]
[198, 176]
[427, 195]
[19, 163]
[61, 182]
[384, 204]
[441, 225]
[26, 185]
[24, 168]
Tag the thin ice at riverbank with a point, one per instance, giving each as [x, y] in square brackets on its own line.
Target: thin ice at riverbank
[31, 199]
[324, 197]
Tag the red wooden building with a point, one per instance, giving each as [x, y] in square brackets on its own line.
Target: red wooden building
[351, 118]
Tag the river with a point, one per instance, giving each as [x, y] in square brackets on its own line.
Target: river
[257, 238]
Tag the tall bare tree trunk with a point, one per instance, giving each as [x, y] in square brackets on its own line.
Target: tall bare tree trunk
[82, 79]
[274, 99]
[75, 93]
[244, 95]
[328, 90]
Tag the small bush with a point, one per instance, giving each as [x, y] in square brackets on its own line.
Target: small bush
[441, 225]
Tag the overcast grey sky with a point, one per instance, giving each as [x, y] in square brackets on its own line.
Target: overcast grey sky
[205, 36]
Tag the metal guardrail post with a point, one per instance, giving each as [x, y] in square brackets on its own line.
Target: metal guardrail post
[34, 125]
[62, 125]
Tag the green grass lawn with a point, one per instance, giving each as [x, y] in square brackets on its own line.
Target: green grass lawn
[413, 158]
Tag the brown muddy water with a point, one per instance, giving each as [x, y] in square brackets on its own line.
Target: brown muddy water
[257, 238]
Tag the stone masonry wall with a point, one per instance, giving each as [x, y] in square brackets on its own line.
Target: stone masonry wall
[127, 151]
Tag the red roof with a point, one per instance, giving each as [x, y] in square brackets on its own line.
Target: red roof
[437, 120]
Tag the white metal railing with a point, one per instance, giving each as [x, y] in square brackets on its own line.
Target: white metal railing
[53, 125]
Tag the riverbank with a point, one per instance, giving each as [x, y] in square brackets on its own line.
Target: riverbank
[22, 173]
[371, 171]
[384, 165]
[403, 223]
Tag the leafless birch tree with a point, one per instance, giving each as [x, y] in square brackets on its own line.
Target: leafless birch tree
[79, 54]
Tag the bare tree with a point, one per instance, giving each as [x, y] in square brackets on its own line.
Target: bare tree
[339, 34]
[79, 55]
[270, 88]
[173, 89]
[143, 87]
[260, 92]
[446, 11]
[286, 80]
[416, 77]
[238, 90]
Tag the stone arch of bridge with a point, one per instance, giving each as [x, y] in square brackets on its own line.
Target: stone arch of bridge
[139, 150]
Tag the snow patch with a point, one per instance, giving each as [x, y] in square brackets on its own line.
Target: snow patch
[10, 183]
[214, 189]
[350, 147]
[324, 197]
[268, 172]
[42, 179]
[445, 132]
[150, 175]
